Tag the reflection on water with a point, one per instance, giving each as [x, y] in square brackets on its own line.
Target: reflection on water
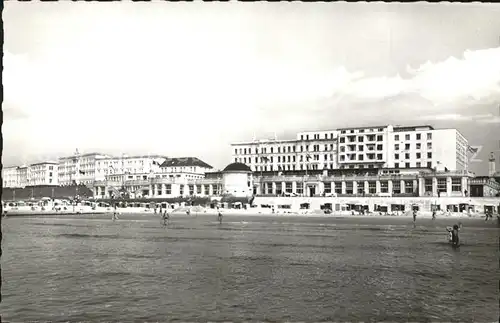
[248, 268]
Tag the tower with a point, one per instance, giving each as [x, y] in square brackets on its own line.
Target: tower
[491, 164]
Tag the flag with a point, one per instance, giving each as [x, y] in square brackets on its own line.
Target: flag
[81, 172]
[446, 169]
[308, 157]
[472, 150]
[265, 159]
[156, 163]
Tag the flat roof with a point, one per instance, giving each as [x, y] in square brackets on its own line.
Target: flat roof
[45, 163]
[133, 157]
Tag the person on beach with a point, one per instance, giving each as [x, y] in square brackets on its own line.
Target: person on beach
[165, 218]
[414, 216]
[115, 216]
[219, 215]
[434, 215]
[453, 234]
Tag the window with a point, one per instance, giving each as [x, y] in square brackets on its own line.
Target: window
[349, 188]
[429, 145]
[456, 185]
[419, 136]
[428, 185]
[279, 188]
[441, 185]
[407, 146]
[379, 156]
[407, 165]
[429, 164]
[429, 155]
[360, 139]
[407, 156]
[338, 187]
[396, 165]
[419, 155]
[396, 137]
[328, 187]
[181, 190]
[379, 147]
[361, 187]
[396, 147]
[380, 138]
[360, 148]
[360, 157]
[419, 146]
[429, 136]
[288, 187]
[419, 164]
[198, 189]
[384, 187]
[396, 187]
[407, 137]
[206, 190]
[342, 140]
[372, 187]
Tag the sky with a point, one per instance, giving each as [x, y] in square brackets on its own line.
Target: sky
[187, 79]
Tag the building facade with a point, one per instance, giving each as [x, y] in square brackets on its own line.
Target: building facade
[79, 168]
[44, 173]
[174, 177]
[358, 148]
[10, 177]
[125, 164]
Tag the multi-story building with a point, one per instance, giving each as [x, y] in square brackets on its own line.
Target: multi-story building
[310, 150]
[175, 177]
[190, 167]
[127, 165]
[79, 168]
[10, 176]
[23, 176]
[44, 173]
[355, 148]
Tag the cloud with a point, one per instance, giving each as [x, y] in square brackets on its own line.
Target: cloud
[475, 78]
[481, 118]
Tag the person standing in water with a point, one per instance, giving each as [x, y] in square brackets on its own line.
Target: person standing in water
[453, 235]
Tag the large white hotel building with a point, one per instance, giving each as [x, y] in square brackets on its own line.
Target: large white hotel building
[358, 148]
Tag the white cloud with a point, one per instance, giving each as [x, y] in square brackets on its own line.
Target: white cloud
[482, 118]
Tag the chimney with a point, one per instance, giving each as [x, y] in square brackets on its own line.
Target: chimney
[491, 165]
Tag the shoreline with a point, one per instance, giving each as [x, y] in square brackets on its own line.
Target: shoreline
[211, 212]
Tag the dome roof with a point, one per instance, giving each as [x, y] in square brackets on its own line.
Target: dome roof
[237, 167]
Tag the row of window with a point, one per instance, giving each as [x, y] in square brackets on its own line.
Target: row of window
[361, 148]
[418, 136]
[418, 146]
[352, 157]
[371, 187]
[352, 139]
[362, 130]
[316, 136]
[279, 150]
[417, 155]
[282, 159]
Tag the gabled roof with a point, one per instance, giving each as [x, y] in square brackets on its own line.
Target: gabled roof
[184, 162]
